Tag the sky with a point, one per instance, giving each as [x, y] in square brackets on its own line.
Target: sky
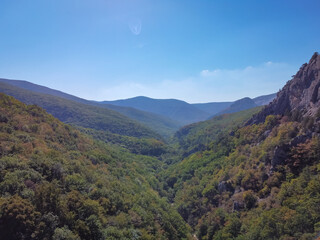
[196, 51]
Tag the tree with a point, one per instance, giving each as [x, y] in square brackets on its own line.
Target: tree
[18, 218]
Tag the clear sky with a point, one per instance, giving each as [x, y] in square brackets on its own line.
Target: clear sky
[197, 51]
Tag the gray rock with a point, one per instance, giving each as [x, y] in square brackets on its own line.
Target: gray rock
[225, 186]
[301, 93]
[237, 206]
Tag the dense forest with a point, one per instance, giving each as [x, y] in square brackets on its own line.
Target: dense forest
[253, 174]
[57, 183]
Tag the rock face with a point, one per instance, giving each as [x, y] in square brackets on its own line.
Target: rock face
[301, 93]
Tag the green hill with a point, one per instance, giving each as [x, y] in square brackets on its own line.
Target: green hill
[81, 114]
[198, 136]
[164, 126]
[160, 124]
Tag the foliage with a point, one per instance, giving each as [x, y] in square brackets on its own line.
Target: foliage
[197, 136]
[225, 179]
[144, 146]
[251, 182]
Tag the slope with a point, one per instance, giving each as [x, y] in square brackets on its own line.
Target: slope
[80, 114]
[198, 136]
[160, 124]
[57, 183]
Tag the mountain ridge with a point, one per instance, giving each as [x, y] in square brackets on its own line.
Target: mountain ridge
[160, 124]
[237, 106]
[164, 116]
[81, 114]
[210, 109]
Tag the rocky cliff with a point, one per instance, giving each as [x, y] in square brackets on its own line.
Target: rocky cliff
[300, 94]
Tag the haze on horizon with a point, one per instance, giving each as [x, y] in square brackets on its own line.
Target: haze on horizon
[190, 50]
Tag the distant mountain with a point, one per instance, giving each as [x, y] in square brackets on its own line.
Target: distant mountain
[165, 116]
[80, 114]
[175, 109]
[212, 107]
[265, 99]
[239, 105]
[217, 108]
[162, 125]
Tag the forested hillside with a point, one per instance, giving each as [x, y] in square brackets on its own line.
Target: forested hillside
[32, 92]
[81, 114]
[57, 183]
[198, 136]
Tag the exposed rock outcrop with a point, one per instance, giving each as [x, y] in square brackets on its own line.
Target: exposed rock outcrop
[280, 153]
[301, 93]
[225, 186]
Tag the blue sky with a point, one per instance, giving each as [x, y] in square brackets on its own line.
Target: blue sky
[197, 51]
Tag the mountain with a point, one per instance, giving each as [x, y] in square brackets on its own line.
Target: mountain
[160, 124]
[265, 99]
[257, 180]
[217, 108]
[197, 136]
[300, 96]
[57, 183]
[81, 114]
[239, 105]
[177, 110]
[189, 113]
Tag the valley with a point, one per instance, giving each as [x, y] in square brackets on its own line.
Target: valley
[144, 168]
